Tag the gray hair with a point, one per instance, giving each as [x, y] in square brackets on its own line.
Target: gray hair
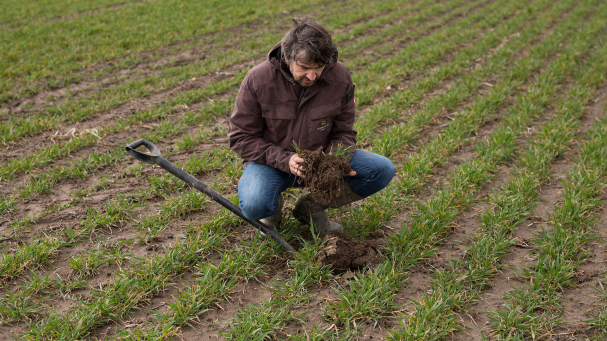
[307, 41]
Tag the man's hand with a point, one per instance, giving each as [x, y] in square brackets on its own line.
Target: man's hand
[295, 165]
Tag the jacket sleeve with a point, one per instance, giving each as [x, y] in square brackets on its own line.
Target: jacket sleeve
[245, 132]
[342, 131]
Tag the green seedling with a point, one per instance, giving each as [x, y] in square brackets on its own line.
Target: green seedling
[340, 151]
[28, 256]
[367, 219]
[20, 306]
[306, 265]
[87, 264]
[23, 224]
[257, 322]
[113, 215]
[369, 298]
[150, 227]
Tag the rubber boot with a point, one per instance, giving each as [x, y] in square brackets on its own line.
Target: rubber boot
[275, 219]
[307, 208]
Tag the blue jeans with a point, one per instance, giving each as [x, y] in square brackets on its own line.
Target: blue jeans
[260, 185]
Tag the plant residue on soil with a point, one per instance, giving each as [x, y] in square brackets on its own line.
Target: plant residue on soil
[323, 174]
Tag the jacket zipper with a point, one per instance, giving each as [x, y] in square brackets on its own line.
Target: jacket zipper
[304, 119]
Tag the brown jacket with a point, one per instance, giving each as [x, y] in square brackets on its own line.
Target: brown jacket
[272, 111]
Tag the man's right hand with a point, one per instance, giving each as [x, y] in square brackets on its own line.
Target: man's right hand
[295, 165]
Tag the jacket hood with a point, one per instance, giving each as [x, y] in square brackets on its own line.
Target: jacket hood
[275, 58]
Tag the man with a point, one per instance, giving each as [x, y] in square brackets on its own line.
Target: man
[301, 94]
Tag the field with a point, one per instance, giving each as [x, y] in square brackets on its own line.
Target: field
[493, 112]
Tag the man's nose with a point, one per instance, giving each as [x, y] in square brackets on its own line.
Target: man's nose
[311, 76]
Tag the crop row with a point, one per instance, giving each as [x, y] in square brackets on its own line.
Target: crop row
[147, 287]
[250, 36]
[365, 218]
[189, 119]
[250, 46]
[454, 290]
[55, 152]
[16, 13]
[414, 242]
[535, 310]
[52, 49]
[111, 97]
[371, 292]
[392, 140]
[591, 157]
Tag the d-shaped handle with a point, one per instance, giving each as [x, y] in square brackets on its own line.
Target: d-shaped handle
[152, 155]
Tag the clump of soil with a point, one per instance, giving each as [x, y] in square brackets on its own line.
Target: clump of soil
[343, 254]
[324, 174]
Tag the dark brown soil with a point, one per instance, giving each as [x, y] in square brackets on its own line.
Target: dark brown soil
[343, 253]
[324, 174]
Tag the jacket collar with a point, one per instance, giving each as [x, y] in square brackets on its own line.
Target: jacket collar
[275, 58]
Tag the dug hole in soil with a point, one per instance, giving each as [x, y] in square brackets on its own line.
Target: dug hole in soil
[323, 177]
[343, 253]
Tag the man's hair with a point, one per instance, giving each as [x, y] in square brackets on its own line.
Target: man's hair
[308, 42]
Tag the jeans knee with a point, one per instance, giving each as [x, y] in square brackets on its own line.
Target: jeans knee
[255, 209]
[380, 171]
[385, 171]
[374, 173]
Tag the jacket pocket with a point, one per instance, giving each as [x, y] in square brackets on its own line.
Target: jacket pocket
[279, 111]
[326, 111]
[279, 121]
[321, 123]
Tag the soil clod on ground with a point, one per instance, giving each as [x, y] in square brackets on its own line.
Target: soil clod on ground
[343, 253]
[324, 174]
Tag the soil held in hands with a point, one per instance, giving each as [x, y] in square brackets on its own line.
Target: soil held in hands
[324, 174]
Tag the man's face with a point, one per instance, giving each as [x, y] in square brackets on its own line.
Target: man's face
[305, 74]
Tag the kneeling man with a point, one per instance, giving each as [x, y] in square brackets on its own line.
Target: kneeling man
[300, 94]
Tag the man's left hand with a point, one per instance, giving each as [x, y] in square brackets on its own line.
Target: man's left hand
[295, 165]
